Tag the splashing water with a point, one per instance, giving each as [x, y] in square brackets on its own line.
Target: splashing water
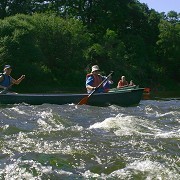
[86, 142]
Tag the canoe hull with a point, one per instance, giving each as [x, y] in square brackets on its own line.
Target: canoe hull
[123, 98]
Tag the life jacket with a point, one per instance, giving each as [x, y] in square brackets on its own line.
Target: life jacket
[97, 79]
[132, 84]
[6, 80]
[121, 83]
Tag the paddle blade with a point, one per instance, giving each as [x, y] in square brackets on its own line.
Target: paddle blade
[83, 101]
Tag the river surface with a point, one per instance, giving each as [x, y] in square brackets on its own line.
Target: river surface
[87, 142]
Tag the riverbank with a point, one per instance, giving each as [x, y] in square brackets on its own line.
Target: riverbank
[156, 92]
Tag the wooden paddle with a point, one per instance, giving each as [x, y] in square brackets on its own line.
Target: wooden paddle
[85, 99]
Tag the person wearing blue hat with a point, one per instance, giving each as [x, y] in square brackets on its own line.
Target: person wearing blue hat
[6, 80]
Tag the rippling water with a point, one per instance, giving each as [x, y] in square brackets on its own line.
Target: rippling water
[86, 142]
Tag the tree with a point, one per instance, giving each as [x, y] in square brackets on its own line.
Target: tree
[3, 8]
[169, 48]
[172, 17]
[43, 44]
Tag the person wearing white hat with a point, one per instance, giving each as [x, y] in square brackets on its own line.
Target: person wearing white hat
[94, 79]
[6, 80]
[95, 68]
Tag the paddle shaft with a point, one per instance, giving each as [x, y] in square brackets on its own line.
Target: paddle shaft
[4, 91]
[85, 99]
[100, 84]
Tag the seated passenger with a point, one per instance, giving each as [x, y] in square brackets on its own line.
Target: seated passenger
[122, 82]
[131, 83]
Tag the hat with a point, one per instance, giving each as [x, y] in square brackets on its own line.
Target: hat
[95, 68]
[7, 66]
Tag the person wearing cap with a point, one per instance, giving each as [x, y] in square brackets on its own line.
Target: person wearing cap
[122, 82]
[6, 80]
[94, 79]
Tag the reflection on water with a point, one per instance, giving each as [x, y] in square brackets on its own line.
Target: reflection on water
[86, 142]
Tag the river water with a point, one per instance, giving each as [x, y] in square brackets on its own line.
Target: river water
[87, 142]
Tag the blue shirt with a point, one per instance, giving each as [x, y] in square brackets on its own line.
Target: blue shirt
[90, 81]
[7, 80]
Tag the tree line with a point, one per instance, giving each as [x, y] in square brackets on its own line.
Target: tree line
[55, 42]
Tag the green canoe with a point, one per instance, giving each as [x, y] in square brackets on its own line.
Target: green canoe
[126, 97]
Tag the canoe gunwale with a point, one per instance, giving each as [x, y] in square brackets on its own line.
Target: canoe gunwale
[123, 98]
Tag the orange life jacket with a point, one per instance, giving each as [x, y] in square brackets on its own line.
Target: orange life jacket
[97, 79]
[121, 83]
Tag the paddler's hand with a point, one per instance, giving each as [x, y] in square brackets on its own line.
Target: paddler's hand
[22, 77]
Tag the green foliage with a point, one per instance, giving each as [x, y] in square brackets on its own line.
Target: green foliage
[58, 46]
[169, 48]
[109, 53]
[173, 17]
[48, 46]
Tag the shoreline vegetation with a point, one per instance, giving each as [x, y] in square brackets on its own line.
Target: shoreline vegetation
[166, 90]
[55, 45]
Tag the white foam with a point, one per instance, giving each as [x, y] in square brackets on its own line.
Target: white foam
[16, 109]
[152, 170]
[17, 171]
[120, 125]
[168, 134]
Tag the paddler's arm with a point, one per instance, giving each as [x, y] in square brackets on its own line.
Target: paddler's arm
[1, 79]
[14, 81]
[89, 83]
[90, 88]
